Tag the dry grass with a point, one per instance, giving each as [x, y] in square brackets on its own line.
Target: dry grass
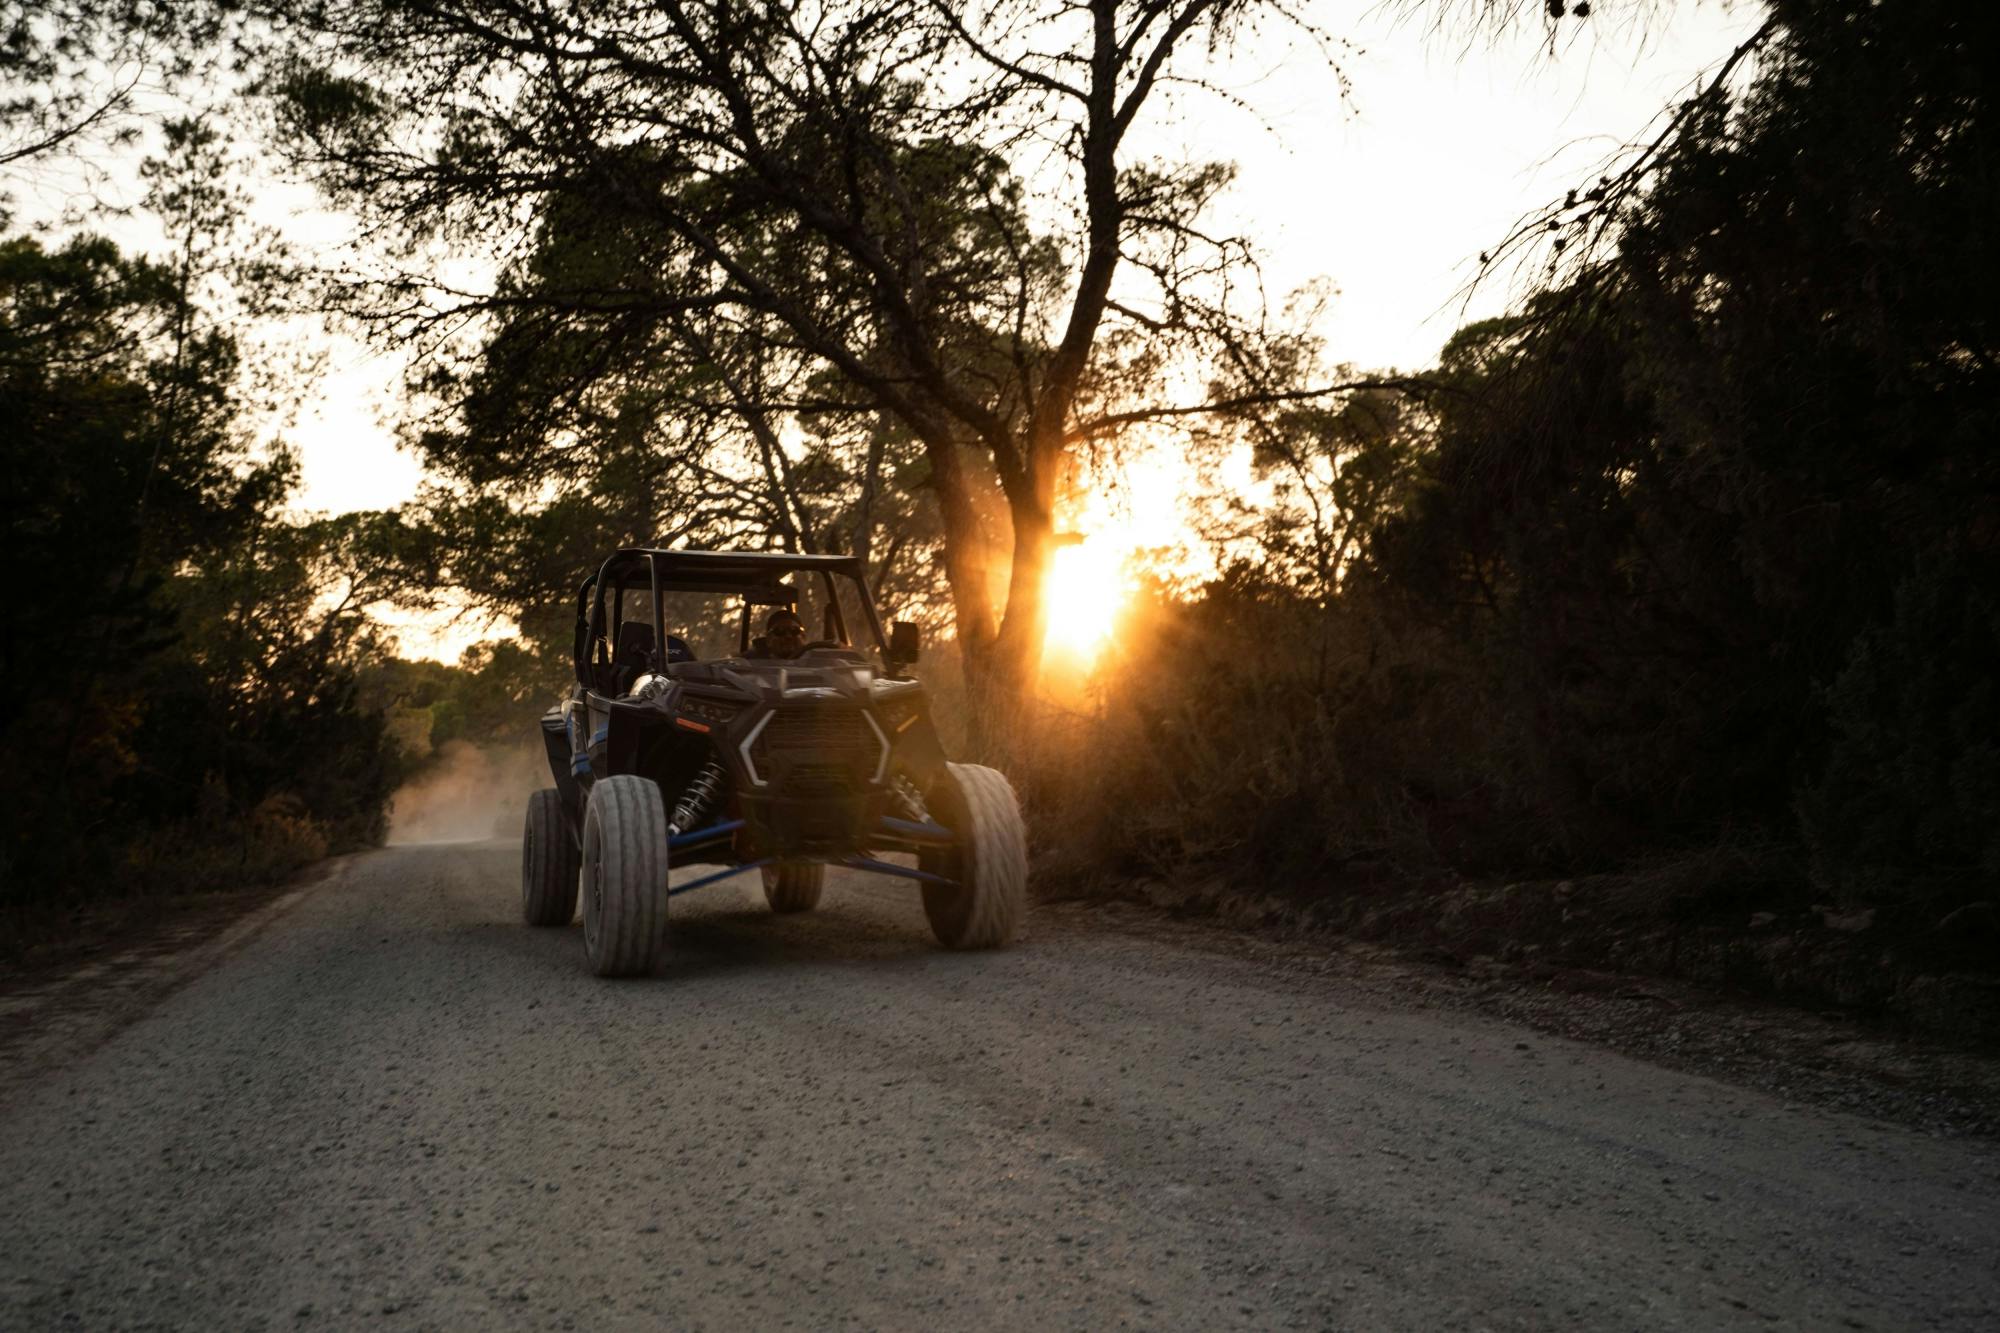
[120, 888]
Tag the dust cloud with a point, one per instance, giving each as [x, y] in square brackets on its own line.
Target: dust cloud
[470, 794]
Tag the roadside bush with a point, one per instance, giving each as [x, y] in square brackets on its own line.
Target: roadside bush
[201, 855]
[1905, 805]
[1251, 730]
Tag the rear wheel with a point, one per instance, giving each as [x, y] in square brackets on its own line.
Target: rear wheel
[549, 863]
[794, 886]
[988, 862]
[624, 878]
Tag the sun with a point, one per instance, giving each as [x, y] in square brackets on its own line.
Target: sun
[1085, 591]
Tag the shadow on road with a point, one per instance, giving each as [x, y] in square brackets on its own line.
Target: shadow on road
[725, 930]
[727, 942]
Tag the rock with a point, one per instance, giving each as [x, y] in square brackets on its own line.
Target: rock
[1762, 920]
[1849, 922]
[1962, 1005]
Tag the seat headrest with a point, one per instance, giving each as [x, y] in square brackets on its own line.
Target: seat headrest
[635, 640]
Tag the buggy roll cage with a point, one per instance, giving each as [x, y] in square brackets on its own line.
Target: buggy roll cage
[756, 576]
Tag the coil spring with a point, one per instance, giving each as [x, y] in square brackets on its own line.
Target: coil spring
[908, 800]
[696, 799]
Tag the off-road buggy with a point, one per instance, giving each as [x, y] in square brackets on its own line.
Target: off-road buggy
[664, 755]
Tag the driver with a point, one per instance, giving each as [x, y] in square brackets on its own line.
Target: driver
[784, 634]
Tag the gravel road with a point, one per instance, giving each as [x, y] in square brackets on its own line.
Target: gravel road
[395, 1105]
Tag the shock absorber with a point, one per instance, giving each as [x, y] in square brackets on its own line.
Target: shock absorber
[696, 800]
[907, 800]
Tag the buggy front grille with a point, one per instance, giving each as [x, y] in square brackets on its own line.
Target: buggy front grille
[817, 746]
[834, 732]
[819, 780]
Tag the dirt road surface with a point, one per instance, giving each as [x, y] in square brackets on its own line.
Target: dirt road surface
[392, 1105]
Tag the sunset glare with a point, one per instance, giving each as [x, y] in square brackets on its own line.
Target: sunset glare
[1086, 589]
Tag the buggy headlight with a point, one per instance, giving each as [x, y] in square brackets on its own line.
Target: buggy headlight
[712, 711]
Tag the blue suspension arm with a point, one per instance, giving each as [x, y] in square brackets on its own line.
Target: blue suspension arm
[915, 832]
[701, 835]
[885, 868]
[707, 880]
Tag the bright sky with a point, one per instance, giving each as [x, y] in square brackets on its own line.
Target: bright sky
[1448, 142]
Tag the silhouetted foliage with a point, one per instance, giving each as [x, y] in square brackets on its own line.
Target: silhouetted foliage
[177, 693]
[1694, 481]
[1696, 551]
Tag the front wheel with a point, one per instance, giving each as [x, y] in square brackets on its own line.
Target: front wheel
[988, 862]
[624, 877]
[549, 863]
[794, 886]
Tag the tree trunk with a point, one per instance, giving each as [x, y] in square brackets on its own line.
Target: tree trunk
[1018, 654]
[1001, 672]
[967, 549]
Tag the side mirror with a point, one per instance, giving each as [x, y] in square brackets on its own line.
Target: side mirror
[905, 644]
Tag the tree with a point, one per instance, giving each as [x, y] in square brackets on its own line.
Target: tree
[174, 651]
[1338, 472]
[74, 73]
[1719, 504]
[934, 215]
[574, 429]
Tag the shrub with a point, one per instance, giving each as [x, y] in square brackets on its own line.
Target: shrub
[1905, 802]
[1252, 728]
